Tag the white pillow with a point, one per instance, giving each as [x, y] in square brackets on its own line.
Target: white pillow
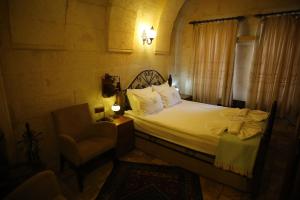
[148, 104]
[142, 92]
[159, 88]
[170, 96]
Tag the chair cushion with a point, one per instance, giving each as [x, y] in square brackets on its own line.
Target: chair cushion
[94, 146]
[73, 121]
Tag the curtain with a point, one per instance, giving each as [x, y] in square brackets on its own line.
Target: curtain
[213, 60]
[275, 71]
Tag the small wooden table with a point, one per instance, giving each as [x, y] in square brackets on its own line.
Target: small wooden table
[125, 139]
[186, 97]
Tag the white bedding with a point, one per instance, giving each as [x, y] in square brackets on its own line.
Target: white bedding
[187, 123]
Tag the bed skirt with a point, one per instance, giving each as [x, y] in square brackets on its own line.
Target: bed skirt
[200, 163]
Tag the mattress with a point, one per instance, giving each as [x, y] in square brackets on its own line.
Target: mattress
[185, 124]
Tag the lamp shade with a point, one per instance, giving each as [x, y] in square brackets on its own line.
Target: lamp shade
[151, 33]
[115, 107]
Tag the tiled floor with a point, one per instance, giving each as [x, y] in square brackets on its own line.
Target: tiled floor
[271, 185]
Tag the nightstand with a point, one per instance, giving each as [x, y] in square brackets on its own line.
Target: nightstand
[186, 97]
[125, 140]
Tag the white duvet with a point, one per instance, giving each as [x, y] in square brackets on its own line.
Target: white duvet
[188, 123]
[199, 126]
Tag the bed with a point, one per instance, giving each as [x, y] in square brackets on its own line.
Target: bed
[182, 135]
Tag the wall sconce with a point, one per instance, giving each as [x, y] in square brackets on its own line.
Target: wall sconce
[148, 35]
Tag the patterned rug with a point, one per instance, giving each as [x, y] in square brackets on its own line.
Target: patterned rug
[136, 181]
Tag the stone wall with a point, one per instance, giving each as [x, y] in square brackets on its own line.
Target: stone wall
[54, 53]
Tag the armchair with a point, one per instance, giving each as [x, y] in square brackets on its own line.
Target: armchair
[41, 186]
[80, 140]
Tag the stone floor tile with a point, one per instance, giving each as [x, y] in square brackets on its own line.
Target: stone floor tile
[222, 197]
[231, 193]
[210, 189]
[270, 186]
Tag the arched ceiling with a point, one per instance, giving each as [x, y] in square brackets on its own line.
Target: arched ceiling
[209, 9]
[127, 18]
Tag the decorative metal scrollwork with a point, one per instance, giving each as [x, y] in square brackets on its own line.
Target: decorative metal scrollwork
[146, 78]
[142, 80]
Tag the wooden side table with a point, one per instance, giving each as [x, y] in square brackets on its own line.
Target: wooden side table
[186, 97]
[125, 139]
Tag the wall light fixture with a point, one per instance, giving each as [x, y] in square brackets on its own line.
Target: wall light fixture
[148, 35]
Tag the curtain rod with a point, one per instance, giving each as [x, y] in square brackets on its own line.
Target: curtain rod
[214, 20]
[292, 12]
[296, 12]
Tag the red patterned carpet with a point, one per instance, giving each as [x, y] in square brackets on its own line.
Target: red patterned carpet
[136, 181]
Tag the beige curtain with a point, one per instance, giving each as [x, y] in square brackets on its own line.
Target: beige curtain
[213, 60]
[275, 71]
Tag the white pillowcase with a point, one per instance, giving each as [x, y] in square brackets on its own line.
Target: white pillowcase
[142, 92]
[169, 95]
[160, 88]
[148, 104]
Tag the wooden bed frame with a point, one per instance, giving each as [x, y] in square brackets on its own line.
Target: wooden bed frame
[198, 162]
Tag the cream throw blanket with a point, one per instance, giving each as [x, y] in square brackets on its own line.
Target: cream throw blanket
[237, 150]
[237, 155]
[243, 123]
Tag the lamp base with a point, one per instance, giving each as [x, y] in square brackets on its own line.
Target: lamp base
[115, 116]
[105, 119]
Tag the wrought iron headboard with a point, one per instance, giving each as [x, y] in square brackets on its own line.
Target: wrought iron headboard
[146, 78]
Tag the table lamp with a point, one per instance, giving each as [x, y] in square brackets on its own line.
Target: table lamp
[116, 108]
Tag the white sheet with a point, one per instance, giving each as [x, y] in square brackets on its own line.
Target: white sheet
[187, 123]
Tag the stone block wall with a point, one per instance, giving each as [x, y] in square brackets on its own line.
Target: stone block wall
[54, 54]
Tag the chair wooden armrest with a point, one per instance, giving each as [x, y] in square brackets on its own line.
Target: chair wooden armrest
[69, 149]
[43, 185]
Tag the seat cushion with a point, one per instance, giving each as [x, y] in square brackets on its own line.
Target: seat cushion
[94, 146]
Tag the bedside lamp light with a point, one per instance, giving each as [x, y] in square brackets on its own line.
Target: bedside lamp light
[111, 87]
[116, 108]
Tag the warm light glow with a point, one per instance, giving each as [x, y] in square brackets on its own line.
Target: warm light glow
[148, 34]
[107, 103]
[151, 33]
[115, 107]
[142, 27]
